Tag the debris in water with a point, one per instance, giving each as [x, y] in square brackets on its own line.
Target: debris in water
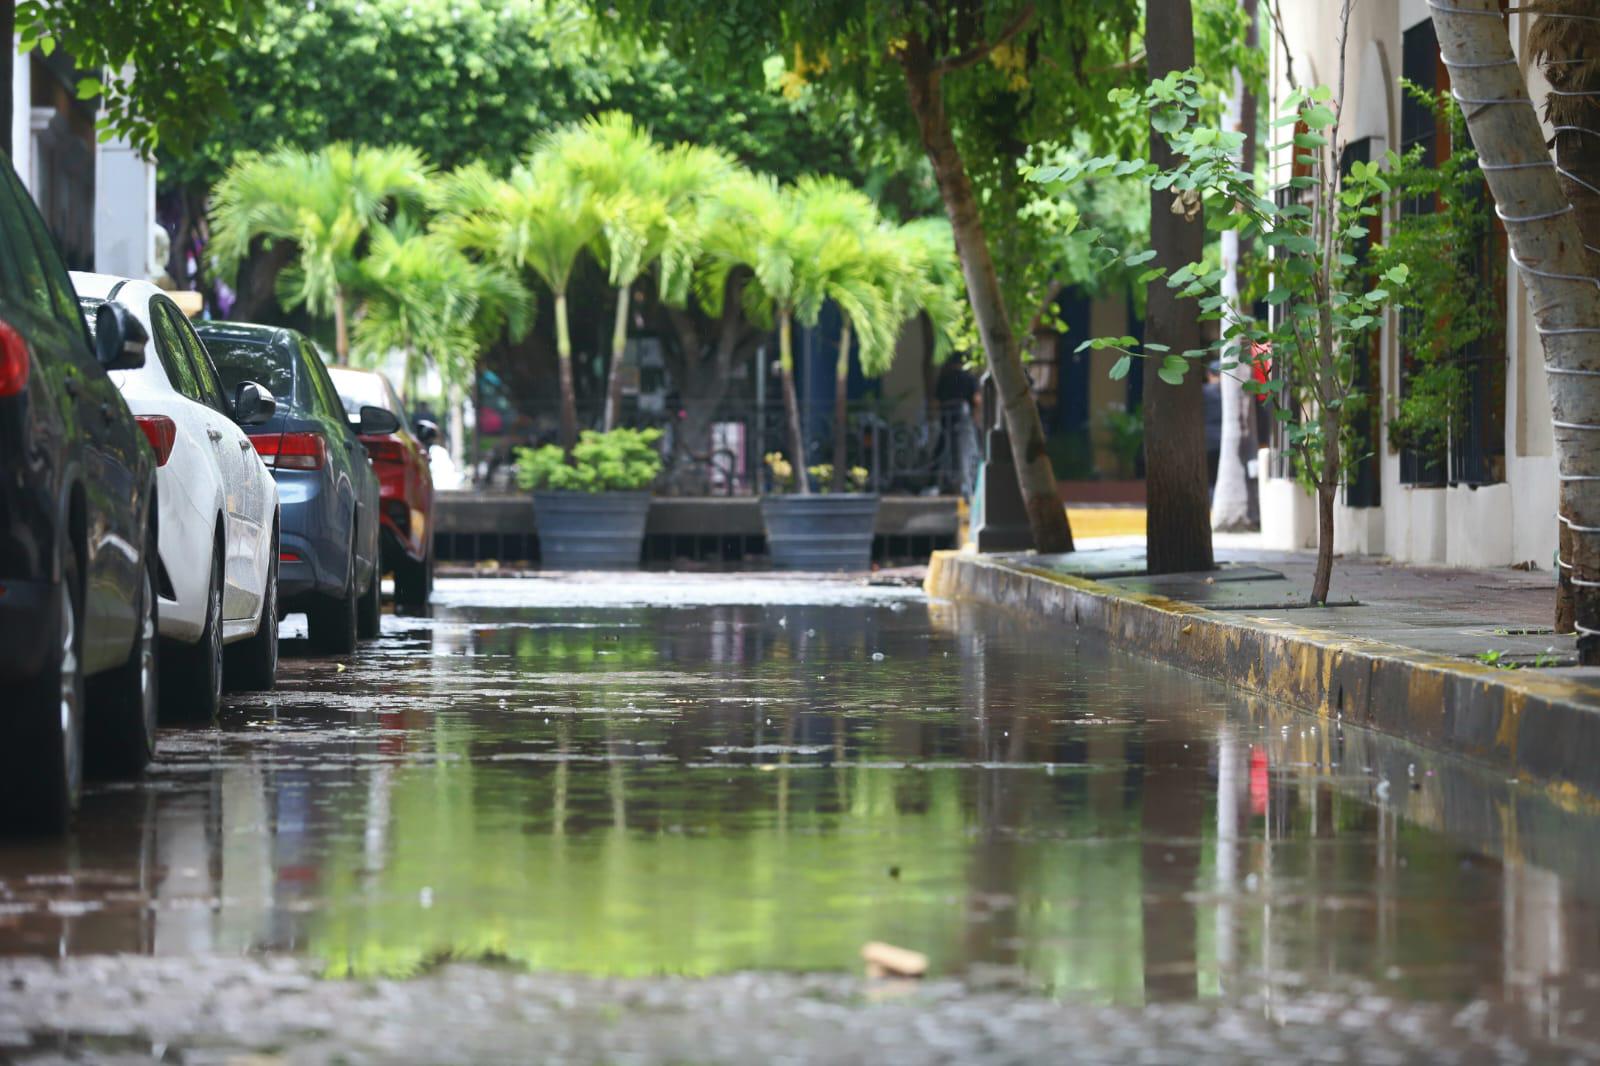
[877, 656]
[886, 960]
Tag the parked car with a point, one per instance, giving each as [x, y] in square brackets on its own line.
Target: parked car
[78, 533]
[219, 507]
[405, 481]
[327, 492]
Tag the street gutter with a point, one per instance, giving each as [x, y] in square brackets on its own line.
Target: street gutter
[1537, 725]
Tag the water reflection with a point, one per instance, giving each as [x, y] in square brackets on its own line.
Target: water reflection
[706, 789]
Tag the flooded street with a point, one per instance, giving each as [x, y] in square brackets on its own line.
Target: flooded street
[543, 810]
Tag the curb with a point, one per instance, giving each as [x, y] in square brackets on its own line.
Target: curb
[1528, 724]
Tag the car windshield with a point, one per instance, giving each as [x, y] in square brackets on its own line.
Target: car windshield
[358, 390]
[269, 365]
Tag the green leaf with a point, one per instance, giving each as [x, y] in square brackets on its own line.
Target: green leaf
[1318, 116]
[1120, 368]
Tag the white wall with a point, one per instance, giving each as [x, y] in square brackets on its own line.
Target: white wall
[124, 211]
[21, 127]
[1493, 525]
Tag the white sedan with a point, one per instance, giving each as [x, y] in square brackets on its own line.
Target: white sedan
[218, 517]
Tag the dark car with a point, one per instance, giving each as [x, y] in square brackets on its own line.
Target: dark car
[405, 481]
[327, 492]
[78, 562]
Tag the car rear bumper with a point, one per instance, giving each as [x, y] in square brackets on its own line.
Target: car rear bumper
[311, 559]
[28, 626]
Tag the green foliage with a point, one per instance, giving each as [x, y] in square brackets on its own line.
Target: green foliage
[326, 202]
[1326, 304]
[537, 218]
[622, 460]
[476, 81]
[1443, 243]
[158, 68]
[422, 296]
[1018, 72]
[1124, 435]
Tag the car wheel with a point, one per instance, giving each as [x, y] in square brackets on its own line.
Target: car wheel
[369, 619]
[44, 760]
[191, 688]
[332, 621]
[252, 664]
[122, 737]
[413, 582]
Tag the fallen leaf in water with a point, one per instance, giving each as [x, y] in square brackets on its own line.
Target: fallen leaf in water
[886, 960]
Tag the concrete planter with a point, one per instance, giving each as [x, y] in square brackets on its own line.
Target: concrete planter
[590, 530]
[822, 532]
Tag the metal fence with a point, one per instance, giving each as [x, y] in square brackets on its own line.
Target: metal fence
[928, 456]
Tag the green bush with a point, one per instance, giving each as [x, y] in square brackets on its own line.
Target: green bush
[622, 460]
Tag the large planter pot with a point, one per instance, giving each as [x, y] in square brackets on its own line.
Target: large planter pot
[821, 532]
[590, 530]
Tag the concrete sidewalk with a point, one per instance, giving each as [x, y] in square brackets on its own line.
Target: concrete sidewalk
[1462, 661]
[1450, 610]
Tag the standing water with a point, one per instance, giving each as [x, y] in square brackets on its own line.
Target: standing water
[706, 776]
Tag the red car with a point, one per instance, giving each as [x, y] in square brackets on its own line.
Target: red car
[405, 484]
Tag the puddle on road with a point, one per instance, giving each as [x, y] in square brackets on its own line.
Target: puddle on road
[719, 785]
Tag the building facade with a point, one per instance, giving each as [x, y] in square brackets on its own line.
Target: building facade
[98, 198]
[1492, 502]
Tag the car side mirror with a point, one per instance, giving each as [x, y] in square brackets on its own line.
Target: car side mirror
[253, 404]
[119, 337]
[376, 422]
[427, 432]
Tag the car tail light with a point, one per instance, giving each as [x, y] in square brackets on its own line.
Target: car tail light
[13, 361]
[386, 450]
[292, 451]
[288, 557]
[161, 432]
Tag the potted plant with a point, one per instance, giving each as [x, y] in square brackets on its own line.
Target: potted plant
[825, 530]
[590, 512]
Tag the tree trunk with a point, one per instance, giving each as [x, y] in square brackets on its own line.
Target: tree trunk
[341, 327]
[1566, 51]
[1327, 493]
[8, 62]
[791, 404]
[569, 394]
[1178, 527]
[258, 278]
[841, 404]
[1230, 502]
[619, 348]
[1547, 244]
[1046, 516]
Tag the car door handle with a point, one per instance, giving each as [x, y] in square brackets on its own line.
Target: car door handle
[215, 435]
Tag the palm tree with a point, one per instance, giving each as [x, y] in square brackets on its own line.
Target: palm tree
[540, 218]
[426, 298]
[326, 202]
[646, 200]
[795, 241]
[914, 270]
